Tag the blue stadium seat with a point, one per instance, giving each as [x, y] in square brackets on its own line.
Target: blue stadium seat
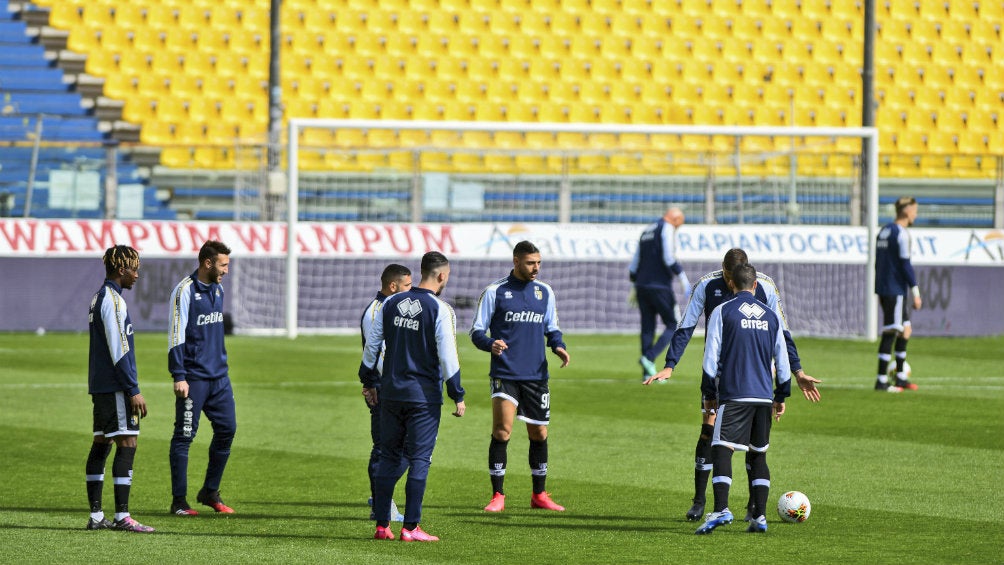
[23, 54]
[31, 78]
[21, 128]
[62, 103]
[12, 31]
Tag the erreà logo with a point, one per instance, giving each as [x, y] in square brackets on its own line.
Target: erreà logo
[752, 310]
[409, 307]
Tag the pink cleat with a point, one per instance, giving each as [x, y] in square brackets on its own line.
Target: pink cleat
[497, 504]
[383, 533]
[127, 524]
[543, 500]
[416, 535]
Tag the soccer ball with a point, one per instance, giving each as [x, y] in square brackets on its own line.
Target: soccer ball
[793, 506]
[907, 370]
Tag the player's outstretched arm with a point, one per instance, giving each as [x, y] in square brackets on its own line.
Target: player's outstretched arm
[660, 376]
[808, 386]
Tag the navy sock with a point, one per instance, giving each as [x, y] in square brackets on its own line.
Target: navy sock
[538, 464]
[497, 461]
[122, 473]
[95, 470]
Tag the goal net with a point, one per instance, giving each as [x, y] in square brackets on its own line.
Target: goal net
[349, 176]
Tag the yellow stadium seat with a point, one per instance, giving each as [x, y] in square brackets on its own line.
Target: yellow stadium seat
[66, 15]
[500, 92]
[756, 8]
[139, 110]
[515, 7]
[420, 68]
[585, 47]
[470, 91]
[432, 45]
[625, 25]
[563, 92]
[255, 19]
[615, 48]
[401, 45]
[442, 23]
[546, 70]
[192, 17]
[942, 142]
[190, 133]
[121, 86]
[482, 69]
[518, 45]
[168, 109]
[554, 47]
[154, 86]
[204, 110]
[439, 91]
[657, 26]
[161, 16]
[157, 133]
[993, 77]
[180, 40]
[501, 23]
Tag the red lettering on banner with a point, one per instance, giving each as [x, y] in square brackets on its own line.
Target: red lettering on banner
[370, 235]
[137, 234]
[20, 236]
[58, 234]
[212, 234]
[393, 240]
[332, 242]
[160, 228]
[252, 236]
[92, 240]
[443, 244]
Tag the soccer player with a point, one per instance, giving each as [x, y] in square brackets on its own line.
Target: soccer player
[394, 279]
[197, 360]
[113, 384]
[652, 270]
[742, 339]
[710, 291]
[516, 316]
[419, 332]
[894, 281]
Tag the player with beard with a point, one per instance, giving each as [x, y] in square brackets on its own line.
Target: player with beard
[515, 320]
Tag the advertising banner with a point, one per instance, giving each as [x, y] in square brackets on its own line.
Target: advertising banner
[558, 242]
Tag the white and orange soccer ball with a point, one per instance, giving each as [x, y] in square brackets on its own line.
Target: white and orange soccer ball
[793, 506]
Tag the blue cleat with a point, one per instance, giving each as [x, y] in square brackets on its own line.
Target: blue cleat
[713, 520]
[758, 526]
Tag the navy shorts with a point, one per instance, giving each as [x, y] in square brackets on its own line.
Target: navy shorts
[895, 311]
[532, 398]
[743, 426]
[113, 415]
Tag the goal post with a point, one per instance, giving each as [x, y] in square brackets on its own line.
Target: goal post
[443, 172]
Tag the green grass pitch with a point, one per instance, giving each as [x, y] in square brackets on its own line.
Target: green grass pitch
[907, 478]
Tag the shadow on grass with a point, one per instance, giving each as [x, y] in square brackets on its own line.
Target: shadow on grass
[162, 532]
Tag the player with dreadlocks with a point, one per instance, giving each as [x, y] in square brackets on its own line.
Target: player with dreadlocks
[113, 384]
